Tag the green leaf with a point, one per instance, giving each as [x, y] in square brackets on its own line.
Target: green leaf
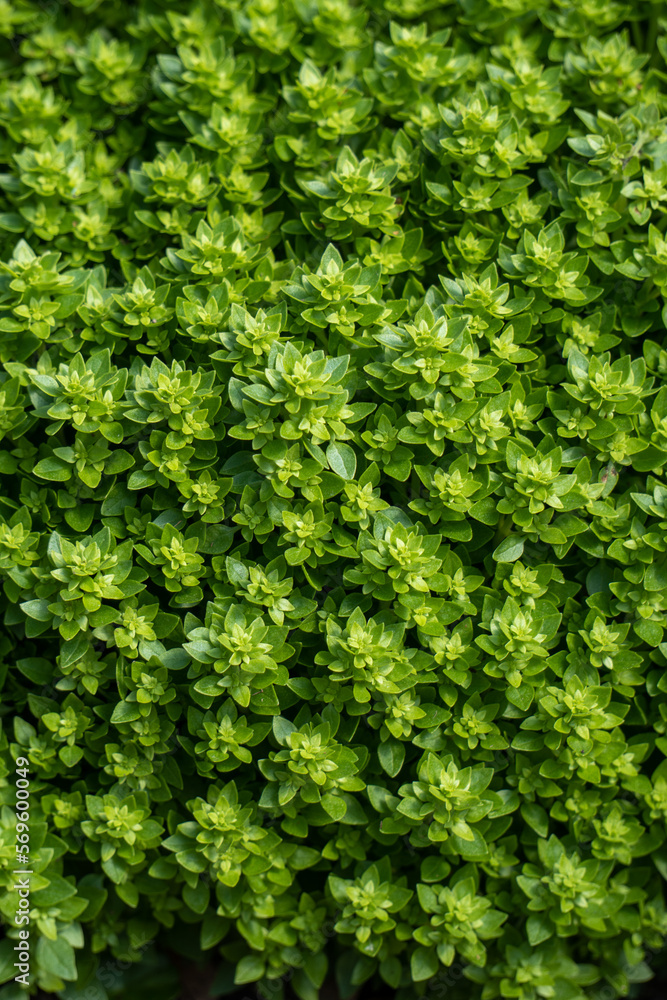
[72, 651]
[56, 957]
[70, 756]
[54, 470]
[538, 929]
[249, 969]
[536, 817]
[391, 756]
[424, 964]
[37, 610]
[125, 712]
[80, 518]
[509, 550]
[342, 459]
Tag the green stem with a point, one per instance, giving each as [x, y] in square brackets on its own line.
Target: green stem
[322, 339]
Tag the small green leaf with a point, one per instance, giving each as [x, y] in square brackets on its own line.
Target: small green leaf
[342, 459]
[53, 469]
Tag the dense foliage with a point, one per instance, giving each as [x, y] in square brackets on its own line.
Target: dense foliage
[333, 517]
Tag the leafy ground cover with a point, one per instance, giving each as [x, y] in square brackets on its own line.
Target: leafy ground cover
[333, 419]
